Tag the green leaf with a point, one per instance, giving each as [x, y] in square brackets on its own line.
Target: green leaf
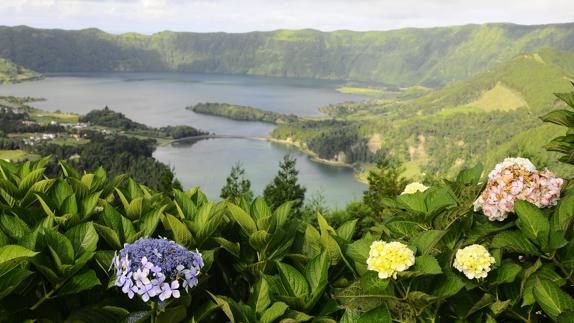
[514, 241]
[10, 252]
[109, 235]
[424, 265]
[347, 230]
[470, 176]
[61, 245]
[231, 247]
[89, 203]
[552, 299]
[274, 312]
[13, 226]
[12, 279]
[180, 231]
[79, 283]
[426, 241]
[260, 210]
[506, 273]
[316, 272]
[372, 284]
[83, 237]
[293, 280]
[281, 215]
[380, 314]
[560, 117]
[447, 285]
[259, 239]
[245, 221]
[148, 222]
[260, 298]
[564, 214]
[567, 98]
[532, 222]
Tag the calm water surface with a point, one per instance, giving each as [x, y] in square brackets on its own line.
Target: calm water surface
[159, 99]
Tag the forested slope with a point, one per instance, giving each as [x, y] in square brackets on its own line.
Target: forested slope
[494, 114]
[433, 56]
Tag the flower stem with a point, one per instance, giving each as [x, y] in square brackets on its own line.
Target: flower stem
[153, 317]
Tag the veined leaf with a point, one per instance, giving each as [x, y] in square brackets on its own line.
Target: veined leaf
[293, 280]
[274, 312]
[244, 220]
[80, 283]
[380, 314]
[10, 252]
[552, 299]
[532, 222]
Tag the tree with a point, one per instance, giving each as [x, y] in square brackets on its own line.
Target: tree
[237, 186]
[285, 186]
[386, 180]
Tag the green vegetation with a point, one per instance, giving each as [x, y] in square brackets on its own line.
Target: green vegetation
[488, 116]
[237, 186]
[12, 73]
[241, 113]
[111, 119]
[16, 155]
[285, 187]
[59, 234]
[115, 120]
[405, 57]
[371, 91]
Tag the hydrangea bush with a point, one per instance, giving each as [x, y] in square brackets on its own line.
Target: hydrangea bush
[435, 256]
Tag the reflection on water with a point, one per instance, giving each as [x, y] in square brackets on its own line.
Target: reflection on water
[212, 159]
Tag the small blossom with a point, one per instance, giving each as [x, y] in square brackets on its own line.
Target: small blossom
[389, 258]
[474, 261]
[414, 187]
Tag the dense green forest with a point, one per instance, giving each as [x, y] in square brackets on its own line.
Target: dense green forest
[431, 56]
[488, 116]
[12, 73]
[241, 113]
[109, 118]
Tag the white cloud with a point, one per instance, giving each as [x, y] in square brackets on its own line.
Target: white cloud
[149, 16]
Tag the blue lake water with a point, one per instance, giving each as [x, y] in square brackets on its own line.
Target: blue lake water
[159, 99]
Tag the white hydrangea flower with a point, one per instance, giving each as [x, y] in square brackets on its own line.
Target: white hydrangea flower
[474, 261]
[389, 258]
[414, 187]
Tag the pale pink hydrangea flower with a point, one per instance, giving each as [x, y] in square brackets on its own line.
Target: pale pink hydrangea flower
[517, 179]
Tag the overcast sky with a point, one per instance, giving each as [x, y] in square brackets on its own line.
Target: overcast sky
[149, 16]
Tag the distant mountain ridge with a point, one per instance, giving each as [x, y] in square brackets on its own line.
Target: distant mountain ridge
[431, 56]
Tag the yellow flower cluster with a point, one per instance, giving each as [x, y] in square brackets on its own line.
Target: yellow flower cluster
[414, 187]
[474, 261]
[389, 258]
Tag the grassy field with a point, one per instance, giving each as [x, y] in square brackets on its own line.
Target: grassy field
[499, 97]
[45, 117]
[17, 155]
[369, 91]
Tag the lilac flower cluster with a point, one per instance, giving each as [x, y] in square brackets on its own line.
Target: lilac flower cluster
[517, 179]
[155, 267]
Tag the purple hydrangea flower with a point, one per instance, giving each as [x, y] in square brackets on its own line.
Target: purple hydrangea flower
[152, 269]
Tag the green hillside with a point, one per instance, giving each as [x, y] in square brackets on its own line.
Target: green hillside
[493, 114]
[12, 73]
[432, 56]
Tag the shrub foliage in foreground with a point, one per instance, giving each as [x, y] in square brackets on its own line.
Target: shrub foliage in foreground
[58, 237]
